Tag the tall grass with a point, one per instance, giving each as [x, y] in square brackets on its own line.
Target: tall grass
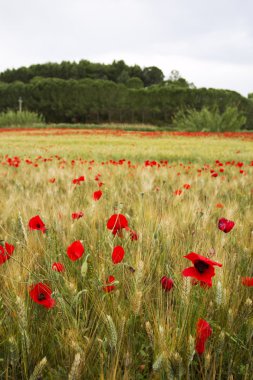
[137, 331]
[24, 118]
[209, 120]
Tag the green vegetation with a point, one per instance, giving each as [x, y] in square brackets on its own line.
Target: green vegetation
[209, 120]
[94, 93]
[24, 118]
[104, 145]
[117, 72]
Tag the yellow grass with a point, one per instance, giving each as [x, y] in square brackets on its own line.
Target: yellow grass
[137, 331]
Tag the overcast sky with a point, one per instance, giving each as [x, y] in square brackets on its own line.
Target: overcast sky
[209, 42]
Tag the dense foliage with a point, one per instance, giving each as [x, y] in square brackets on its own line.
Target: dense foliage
[24, 118]
[85, 92]
[209, 120]
[117, 72]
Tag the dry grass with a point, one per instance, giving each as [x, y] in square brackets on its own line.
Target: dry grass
[137, 331]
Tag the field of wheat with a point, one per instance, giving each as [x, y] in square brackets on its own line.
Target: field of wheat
[94, 230]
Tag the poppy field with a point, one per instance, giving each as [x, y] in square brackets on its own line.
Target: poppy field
[126, 255]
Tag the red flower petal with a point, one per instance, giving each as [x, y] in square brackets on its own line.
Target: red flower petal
[77, 215]
[109, 288]
[6, 252]
[58, 267]
[205, 277]
[77, 181]
[3, 256]
[41, 294]
[247, 281]
[116, 222]
[167, 283]
[194, 257]
[97, 195]
[35, 223]
[9, 248]
[118, 254]
[75, 250]
[225, 225]
[203, 333]
[203, 269]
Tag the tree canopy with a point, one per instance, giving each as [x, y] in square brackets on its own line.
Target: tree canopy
[94, 92]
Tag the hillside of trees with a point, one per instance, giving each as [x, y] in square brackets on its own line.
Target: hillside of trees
[82, 92]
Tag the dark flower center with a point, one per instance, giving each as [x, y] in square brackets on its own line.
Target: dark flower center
[38, 225]
[201, 266]
[41, 297]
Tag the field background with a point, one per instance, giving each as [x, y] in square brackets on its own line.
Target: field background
[138, 146]
[138, 331]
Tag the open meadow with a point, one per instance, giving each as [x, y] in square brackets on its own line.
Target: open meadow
[94, 230]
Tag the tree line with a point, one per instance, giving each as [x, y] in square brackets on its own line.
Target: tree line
[118, 72]
[145, 99]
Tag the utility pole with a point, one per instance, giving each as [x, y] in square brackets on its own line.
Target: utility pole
[20, 101]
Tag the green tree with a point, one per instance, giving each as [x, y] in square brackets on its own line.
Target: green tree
[152, 75]
[135, 82]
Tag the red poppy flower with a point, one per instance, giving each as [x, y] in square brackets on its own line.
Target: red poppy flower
[187, 186]
[97, 195]
[6, 252]
[225, 225]
[203, 269]
[52, 180]
[215, 175]
[132, 233]
[109, 288]
[77, 181]
[178, 192]
[219, 205]
[35, 223]
[203, 333]
[247, 281]
[75, 250]
[116, 222]
[97, 177]
[118, 254]
[167, 283]
[41, 294]
[77, 215]
[58, 267]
